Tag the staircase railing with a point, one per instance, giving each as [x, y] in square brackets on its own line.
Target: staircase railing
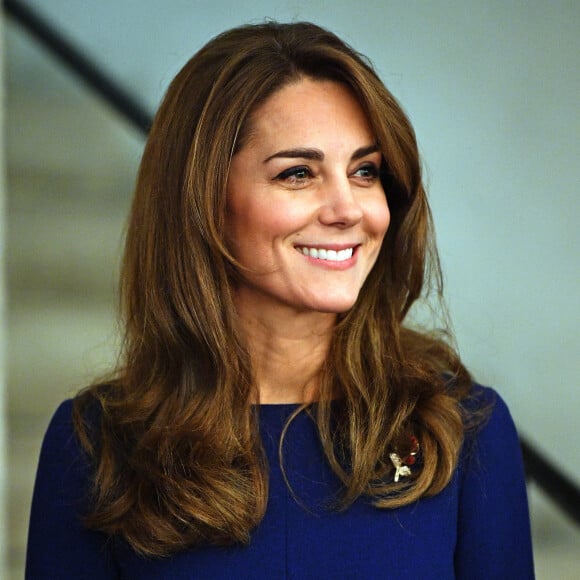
[87, 71]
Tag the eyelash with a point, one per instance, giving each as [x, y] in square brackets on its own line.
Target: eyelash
[292, 174]
[373, 172]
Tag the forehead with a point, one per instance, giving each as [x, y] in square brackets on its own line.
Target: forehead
[305, 109]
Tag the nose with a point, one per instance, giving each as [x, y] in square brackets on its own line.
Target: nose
[340, 206]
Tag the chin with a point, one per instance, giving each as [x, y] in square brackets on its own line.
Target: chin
[337, 306]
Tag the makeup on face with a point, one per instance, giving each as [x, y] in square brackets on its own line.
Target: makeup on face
[306, 212]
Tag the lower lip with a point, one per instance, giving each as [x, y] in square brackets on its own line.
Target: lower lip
[330, 265]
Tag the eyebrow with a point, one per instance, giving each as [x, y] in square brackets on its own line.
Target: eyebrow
[318, 155]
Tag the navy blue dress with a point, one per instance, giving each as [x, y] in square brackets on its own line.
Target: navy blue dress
[476, 528]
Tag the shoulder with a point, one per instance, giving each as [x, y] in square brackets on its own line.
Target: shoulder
[60, 431]
[486, 404]
[62, 417]
[61, 457]
[59, 545]
[493, 527]
[64, 463]
[489, 424]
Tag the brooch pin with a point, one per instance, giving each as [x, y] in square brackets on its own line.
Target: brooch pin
[403, 466]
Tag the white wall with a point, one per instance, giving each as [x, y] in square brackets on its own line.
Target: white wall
[492, 88]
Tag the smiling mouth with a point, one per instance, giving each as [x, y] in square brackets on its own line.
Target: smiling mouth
[328, 255]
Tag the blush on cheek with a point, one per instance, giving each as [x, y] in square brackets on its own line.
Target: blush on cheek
[380, 217]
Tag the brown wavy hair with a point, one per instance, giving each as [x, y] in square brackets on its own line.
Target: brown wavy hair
[173, 436]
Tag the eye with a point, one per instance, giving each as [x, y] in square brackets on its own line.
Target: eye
[299, 175]
[369, 172]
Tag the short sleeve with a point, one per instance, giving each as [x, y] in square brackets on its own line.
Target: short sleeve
[494, 539]
[59, 546]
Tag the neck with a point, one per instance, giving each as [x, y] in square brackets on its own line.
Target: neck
[288, 351]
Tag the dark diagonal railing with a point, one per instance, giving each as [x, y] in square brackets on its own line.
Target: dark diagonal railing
[85, 69]
[551, 480]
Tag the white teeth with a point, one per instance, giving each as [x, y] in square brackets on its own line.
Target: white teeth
[329, 255]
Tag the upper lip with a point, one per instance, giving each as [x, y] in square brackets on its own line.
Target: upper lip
[336, 247]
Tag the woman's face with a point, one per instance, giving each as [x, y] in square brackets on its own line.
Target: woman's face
[306, 211]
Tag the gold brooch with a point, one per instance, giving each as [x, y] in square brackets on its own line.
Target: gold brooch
[403, 466]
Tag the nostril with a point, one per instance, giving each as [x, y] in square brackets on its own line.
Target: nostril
[341, 213]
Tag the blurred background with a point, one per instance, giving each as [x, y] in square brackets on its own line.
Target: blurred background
[493, 92]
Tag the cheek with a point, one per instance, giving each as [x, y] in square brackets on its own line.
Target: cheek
[252, 227]
[269, 220]
[379, 216]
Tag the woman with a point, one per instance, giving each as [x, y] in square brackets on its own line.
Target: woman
[274, 417]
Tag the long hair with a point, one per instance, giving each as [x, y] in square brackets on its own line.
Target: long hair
[176, 449]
